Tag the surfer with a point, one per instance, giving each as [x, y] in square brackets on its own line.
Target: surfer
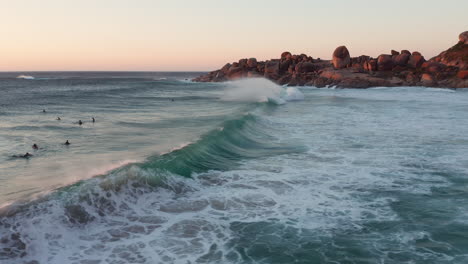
[58, 118]
[94, 120]
[27, 155]
[67, 143]
[80, 123]
[34, 146]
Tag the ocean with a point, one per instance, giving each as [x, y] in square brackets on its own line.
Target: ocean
[173, 171]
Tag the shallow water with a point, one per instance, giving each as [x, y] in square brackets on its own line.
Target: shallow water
[223, 175]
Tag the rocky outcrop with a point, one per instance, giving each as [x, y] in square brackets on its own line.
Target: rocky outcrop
[457, 55]
[449, 69]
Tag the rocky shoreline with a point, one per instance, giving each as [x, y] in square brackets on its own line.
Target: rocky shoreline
[449, 69]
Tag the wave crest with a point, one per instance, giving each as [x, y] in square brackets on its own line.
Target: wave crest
[260, 90]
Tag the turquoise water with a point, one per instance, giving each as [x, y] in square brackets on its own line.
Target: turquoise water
[243, 172]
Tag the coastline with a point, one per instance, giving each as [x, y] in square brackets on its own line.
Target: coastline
[449, 69]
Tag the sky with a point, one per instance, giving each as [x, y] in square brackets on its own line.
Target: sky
[202, 35]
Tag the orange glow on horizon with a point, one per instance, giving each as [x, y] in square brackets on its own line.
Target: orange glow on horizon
[204, 35]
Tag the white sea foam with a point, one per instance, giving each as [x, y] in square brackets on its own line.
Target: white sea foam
[26, 77]
[260, 90]
[366, 153]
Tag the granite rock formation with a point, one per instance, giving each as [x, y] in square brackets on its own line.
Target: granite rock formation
[449, 69]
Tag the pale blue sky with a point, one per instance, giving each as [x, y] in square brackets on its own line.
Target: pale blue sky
[204, 34]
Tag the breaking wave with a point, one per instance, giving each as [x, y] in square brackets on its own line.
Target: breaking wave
[260, 90]
[26, 77]
[117, 193]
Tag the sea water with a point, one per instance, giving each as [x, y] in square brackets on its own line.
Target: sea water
[242, 172]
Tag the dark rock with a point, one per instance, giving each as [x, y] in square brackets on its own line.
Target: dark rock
[341, 58]
[226, 67]
[402, 59]
[427, 80]
[285, 79]
[411, 78]
[284, 66]
[303, 67]
[320, 82]
[371, 65]
[242, 63]
[395, 53]
[432, 66]
[384, 62]
[286, 55]
[252, 63]
[416, 60]
[463, 37]
[405, 52]
[272, 67]
[235, 72]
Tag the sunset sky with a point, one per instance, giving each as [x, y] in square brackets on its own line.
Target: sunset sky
[156, 35]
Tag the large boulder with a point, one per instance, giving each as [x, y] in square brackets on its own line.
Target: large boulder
[384, 62]
[341, 57]
[405, 52]
[463, 37]
[243, 63]
[370, 65]
[252, 63]
[286, 55]
[302, 57]
[402, 59]
[416, 60]
[395, 53]
[427, 80]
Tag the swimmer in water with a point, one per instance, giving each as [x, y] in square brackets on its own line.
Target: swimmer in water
[80, 123]
[43, 110]
[67, 143]
[34, 146]
[58, 118]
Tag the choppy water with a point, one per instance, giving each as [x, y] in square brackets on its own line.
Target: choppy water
[247, 172]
